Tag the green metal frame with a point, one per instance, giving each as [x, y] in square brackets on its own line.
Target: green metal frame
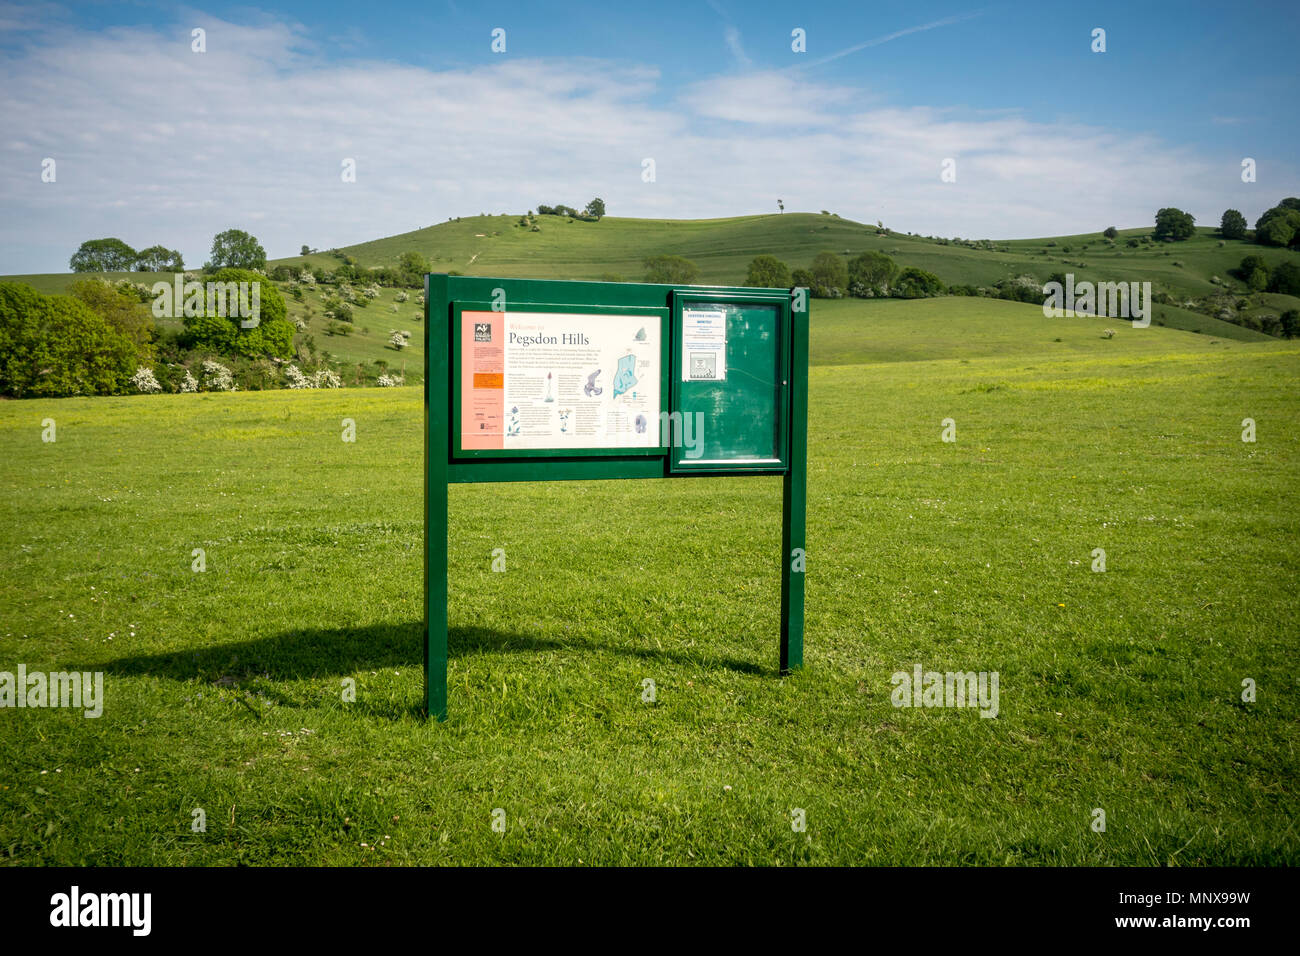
[445, 462]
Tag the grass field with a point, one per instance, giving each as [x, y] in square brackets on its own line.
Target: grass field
[1119, 690]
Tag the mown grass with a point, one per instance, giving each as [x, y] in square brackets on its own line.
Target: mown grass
[1119, 690]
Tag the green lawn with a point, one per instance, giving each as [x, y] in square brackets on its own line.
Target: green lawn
[1118, 690]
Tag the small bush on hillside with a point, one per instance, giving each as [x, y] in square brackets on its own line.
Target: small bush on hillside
[767, 271]
[916, 283]
[673, 270]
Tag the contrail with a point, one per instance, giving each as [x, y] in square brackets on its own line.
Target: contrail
[892, 36]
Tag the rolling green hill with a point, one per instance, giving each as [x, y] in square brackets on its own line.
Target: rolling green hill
[616, 248]
[722, 248]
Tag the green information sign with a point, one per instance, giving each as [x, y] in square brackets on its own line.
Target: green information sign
[538, 380]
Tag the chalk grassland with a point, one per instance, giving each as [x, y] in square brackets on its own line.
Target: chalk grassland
[1118, 690]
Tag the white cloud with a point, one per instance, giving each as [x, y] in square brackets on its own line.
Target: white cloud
[156, 144]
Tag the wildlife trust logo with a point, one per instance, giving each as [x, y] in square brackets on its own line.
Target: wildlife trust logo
[1119, 300]
[236, 300]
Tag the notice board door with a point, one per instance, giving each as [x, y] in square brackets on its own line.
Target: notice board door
[730, 382]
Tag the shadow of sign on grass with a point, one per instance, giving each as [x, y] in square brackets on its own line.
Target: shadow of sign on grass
[314, 653]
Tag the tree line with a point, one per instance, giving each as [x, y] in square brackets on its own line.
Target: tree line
[1277, 226]
[231, 249]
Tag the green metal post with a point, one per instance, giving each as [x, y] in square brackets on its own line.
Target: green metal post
[436, 417]
[795, 491]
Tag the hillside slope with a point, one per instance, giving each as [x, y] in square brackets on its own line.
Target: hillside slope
[723, 248]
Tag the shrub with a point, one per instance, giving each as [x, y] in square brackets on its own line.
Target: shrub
[1290, 322]
[1285, 279]
[830, 276]
[295, 379]
[870, 274]
[767, 271]
[671, 270]
[336, 308]
[225, 335]
[144, 381]
[217, 378]
[54, 345]
[916, 283]
[121, 308]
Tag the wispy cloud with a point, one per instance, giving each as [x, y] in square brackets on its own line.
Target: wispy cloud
[947, 21]
[732, 36]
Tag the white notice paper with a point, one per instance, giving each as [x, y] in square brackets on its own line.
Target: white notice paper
[704, 345]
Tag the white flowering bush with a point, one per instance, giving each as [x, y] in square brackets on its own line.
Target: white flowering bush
[296, 378]
[145, 381]
[371, 291]
[337, 309]
[189, 383]
[306, 278]
[398, 340]
[137, 289]
[323, 378]
[389, 381]
[217, 378]
[401, 296]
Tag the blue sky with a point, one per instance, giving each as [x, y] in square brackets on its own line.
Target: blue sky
[155, 143]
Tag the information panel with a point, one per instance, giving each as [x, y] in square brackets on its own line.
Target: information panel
[559, 380]
[549, 380]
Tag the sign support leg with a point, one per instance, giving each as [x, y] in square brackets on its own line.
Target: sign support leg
[794, 498]
[436, 402]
